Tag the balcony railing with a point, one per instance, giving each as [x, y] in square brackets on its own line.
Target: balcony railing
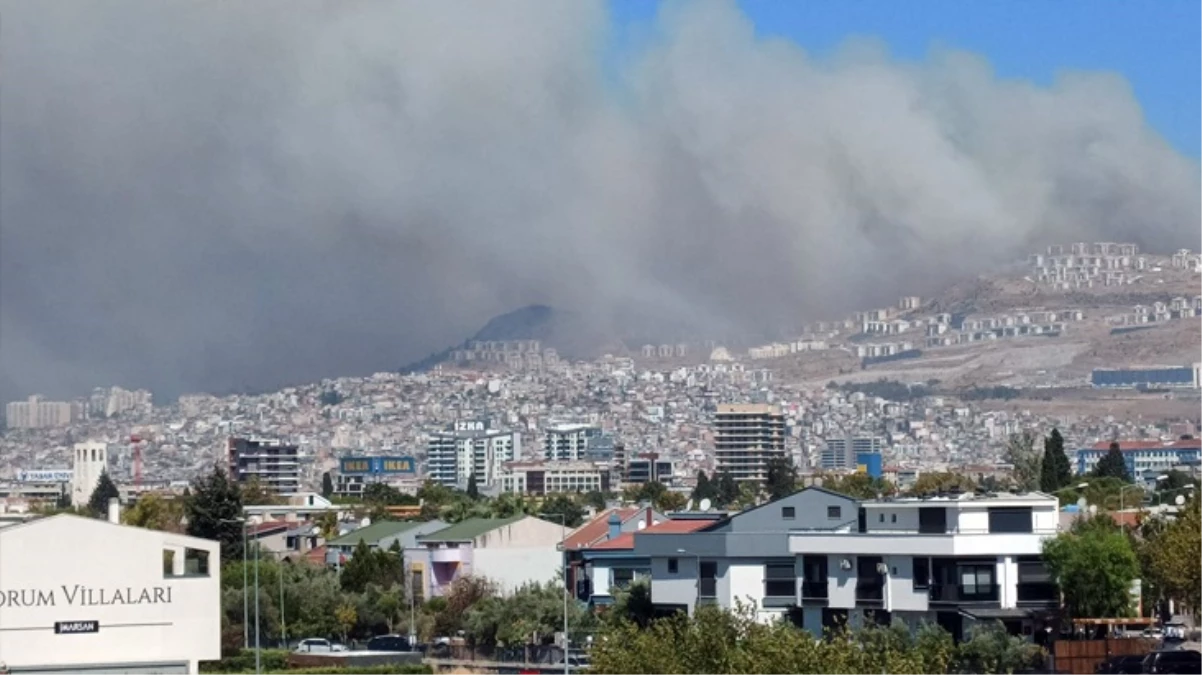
[956, 594]
[870, 590]
[780, 588]
[1041, 592]
[815, 590]
[708, 588]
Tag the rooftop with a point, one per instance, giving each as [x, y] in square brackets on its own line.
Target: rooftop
[973, 497]
[598, 527]
[468, 529]
[1131, 446]
[626, 541]
[373, 533]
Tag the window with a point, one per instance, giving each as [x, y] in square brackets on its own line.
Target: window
[196, 562]
[168, 563]
[922, 572]
[780, 580]
[893, 517]
[932, 520]
[788, 512]
[834, 512]
[673, 566]
[1010, 520]
[623, 577]
[882, 518]
[976, 581]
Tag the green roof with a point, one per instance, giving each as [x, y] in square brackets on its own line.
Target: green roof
[372, 534]
[468, 529]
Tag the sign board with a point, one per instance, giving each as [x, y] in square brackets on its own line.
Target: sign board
[377, 465]
[73, 627]
[471, 425]
[45, 476]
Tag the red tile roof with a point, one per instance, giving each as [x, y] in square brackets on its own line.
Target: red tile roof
[317, 556]
[1150, 445]
[597, 529]
[626, 541]
[260, 529]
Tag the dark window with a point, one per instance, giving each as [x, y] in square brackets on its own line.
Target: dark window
[623, 577]
[780, 580]
[709, 569]
[788, 512]
[196, 562]
[168, 563]
[1033, 573]
[893, 518]
[1010, 520]
[932, 520]
[976, 581]
[922, 572]
[881, 517]
[862, 521]
[834, 512]
[673, 566]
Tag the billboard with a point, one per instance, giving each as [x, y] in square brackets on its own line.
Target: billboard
[45, 476]
[377, 465]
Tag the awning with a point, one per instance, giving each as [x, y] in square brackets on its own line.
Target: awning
[995, 614]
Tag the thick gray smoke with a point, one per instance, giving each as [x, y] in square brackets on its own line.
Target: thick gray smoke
[204, 195]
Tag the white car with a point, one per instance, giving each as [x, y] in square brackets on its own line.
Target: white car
[319, 645]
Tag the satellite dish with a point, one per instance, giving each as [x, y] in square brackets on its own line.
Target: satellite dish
[641, 525]
[1082, 502]
[706, 504]
[1180, 500]
[365, 522]
[689, 506]
[1093, 509]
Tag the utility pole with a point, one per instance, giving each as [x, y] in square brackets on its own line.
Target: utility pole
[258, 646]
[563, 546]
[283, 620]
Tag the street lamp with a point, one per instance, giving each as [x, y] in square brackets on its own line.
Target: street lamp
[1160, 495]
[563, 545]
[245, 605]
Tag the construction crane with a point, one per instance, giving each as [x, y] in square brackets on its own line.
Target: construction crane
[136, 443]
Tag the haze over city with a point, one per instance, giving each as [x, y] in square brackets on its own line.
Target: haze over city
[203, 197]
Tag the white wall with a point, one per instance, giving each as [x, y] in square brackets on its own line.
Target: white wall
[907, 519]
[746, 584]
[1007, 580]
[674, 589]
[970, 520]
[511, 567]
[899, 587]
[1045, 520]
[841, 583]
[57, 555]
[527, 532]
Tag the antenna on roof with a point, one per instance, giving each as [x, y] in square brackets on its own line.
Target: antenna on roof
[706, 504]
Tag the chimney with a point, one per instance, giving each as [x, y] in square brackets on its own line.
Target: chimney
[615, 525]
[650, 516]
[114, 511]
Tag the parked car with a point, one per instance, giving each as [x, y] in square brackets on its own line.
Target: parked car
[319, 645]
[1122, 665]
[389, 643]
[1173, 661]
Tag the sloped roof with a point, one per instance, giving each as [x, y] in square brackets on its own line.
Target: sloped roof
[373, 533]
[626, 541]
[469, 529]
[597, 528]
[1186, 444]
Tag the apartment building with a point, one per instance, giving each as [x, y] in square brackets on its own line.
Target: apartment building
[276, 465]
[746, 438]
[36, 413]
[541, 478]
[852, 452]
[471, 447]
[949, 560]
[1145, 459]
[568, 442]
[649, 467]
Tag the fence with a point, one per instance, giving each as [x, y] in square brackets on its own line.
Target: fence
[1083, 656]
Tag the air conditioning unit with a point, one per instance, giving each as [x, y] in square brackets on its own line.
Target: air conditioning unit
[845, 564]
[882, 568]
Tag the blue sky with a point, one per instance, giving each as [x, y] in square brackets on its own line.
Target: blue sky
[1153, 43]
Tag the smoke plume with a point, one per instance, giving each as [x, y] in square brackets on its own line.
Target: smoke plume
[208, 196]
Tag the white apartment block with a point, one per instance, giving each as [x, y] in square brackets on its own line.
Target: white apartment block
[470, 447]
[568, 442]
[36, 413]
[542, 478]
[746, 438]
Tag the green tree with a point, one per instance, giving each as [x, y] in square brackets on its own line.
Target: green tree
[214, 511]
[473, 490]
[254, 493]
[564, 506]
[990, 649]
[1175, 557]
[727, 490]
[782, 478]
[1113, 465]
[1026, 460]
[595, 499]
[154, 512]
[327, 485]
[1174, 484]
[368, 566]
[942, 481]
[98, 504]
[633, 604]
[1056, 471]
[1094, 565]
[704, 489]
[859, 485]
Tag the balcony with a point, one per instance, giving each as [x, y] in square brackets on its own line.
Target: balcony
[955, 594]
[870, 590]
[814, 590]
[448, 555]
[707, 588]
[1038, 593]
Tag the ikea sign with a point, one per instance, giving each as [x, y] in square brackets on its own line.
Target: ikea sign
[377, 465]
